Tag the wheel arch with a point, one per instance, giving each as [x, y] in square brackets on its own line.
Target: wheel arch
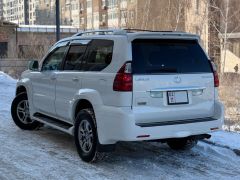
[21, 89]
[86, 98]
[81, 104]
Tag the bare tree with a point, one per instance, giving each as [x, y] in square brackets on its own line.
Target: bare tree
[228, 11]
[158, 15]
[36, 47]
[179, 9]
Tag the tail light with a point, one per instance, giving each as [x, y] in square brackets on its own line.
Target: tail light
[123, 78]
[215, 75]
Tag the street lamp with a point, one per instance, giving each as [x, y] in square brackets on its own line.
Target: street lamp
[57, 20]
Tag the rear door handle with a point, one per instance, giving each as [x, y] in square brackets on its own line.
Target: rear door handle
[103, 80]
[75, 79]
[53, 78]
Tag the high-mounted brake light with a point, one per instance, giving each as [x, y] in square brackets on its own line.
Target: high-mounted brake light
[215, 75]
[123, 78]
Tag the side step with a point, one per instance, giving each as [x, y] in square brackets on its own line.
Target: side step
[54, 123]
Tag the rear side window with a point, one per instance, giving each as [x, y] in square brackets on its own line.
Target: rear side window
[74, 57]
[168, 56]
[99, 55]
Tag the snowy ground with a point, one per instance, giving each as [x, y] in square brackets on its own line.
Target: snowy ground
[50, 154]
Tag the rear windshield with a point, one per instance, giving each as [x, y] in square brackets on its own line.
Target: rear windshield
[168, 56]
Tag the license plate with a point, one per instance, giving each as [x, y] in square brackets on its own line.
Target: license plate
[177, 97]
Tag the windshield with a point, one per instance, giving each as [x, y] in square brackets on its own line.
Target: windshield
[168, 56]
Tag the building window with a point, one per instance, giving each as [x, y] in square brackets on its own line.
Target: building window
[123, 15]
[81, 6]
[112, 3]
[197, 6]
[89, 3]
[89, 20]
[236, 48]
[103, 18]
[131, 14]
[197, 30]
[3, 49]
[104, 4]
[82, 20]
[96, 17]
[112, 15]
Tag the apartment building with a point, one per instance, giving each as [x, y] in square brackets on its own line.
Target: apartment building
[28, 11]
[196, 20]
[191, 16]
[71, 11]
[1, 9]
[97, 14]
[32, 11]
[85, 14]
[43, 12]
[15, 11]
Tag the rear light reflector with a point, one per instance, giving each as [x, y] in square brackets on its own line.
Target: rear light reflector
[123, 78]
[143, 136]
[216, 79]
[213, 129]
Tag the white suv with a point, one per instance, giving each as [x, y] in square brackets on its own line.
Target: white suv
[108, 86]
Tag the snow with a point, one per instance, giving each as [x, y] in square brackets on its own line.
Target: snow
[227, 139]
[232, 127]
[7, 91]
[4, 78]
[50, 154]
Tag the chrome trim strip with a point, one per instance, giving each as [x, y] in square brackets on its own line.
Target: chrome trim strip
[167, 123]
[177, 89]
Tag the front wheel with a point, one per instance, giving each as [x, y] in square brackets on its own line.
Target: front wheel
[85, 134]
[182, 143]
[20, 113]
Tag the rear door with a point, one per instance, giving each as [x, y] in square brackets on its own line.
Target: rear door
[172, 80]
[97, 66]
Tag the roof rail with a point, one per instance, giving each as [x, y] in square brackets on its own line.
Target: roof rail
[102, 32]
[121, 32]
[147, 30]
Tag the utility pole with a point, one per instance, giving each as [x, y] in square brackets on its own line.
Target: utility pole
[57, 20]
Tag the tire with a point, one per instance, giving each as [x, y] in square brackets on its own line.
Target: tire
[182, 143]
[86, 139]
[20, 113]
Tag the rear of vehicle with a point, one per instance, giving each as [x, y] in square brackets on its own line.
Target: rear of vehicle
[174, 80]
[174, 90]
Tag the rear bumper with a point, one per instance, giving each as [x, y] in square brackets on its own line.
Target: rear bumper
[118, 124]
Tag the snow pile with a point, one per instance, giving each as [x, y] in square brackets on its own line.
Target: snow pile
[6, 78]
[226, 139]
[234, 127]
[7, 92]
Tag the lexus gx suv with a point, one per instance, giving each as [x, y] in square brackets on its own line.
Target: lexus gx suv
[108, 86]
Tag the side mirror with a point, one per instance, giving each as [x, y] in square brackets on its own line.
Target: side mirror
[33, 65]
[212, 58]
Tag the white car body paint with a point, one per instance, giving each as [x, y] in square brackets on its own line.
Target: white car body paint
[118, 114]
